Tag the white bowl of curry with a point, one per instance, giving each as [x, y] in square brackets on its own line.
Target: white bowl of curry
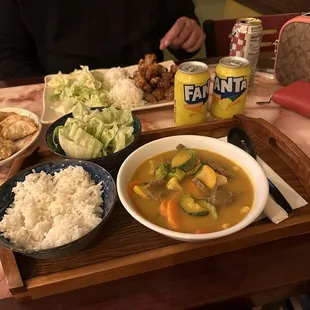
[192, 188]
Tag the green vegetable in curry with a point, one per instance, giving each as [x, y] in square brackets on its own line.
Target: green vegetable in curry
[162, 171]
[191, 207]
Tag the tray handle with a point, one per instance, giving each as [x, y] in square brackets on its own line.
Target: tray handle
[285, 148]
[11, 272]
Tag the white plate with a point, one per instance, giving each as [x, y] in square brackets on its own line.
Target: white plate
[49, 115]
[25, 143]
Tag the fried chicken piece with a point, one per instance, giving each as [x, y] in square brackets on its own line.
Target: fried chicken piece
[139, 80]
[163, 69]
[154, 70]
[151, 72]
[142, 66]
[138, 74]
[145, 62]
[150, 59]
[174, 69]
[141, 83]
[168, 76]
[163, 84]
[154, 81]
[169, 93]
[158, 94]
[147, 88]
[150, 98]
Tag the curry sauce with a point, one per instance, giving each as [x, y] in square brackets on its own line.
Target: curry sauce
[233, 199]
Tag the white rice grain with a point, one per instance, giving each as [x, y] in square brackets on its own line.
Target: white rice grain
[113, 75]
[126, 95]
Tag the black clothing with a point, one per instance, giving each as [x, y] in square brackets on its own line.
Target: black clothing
[40, 37]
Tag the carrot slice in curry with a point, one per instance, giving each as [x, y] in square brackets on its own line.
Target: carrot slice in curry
[163, 207]
[130, 187]
[174, 214]
[190, 187]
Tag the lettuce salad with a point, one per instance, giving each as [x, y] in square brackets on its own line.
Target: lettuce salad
[92, 134]
[67, 90]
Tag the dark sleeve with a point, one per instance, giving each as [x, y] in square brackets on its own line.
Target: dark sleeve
[173, 10]
[17, 49]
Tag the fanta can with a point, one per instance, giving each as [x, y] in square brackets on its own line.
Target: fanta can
[230, 88]
[191, 92]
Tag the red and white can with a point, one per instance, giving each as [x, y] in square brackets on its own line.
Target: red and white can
[246, 40]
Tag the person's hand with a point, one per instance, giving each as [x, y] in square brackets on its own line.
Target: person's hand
[185, 34]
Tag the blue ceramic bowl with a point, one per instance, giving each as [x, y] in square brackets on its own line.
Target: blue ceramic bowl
[97, 173]
[110, 162]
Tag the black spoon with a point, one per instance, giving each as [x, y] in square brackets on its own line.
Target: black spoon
[238, 137]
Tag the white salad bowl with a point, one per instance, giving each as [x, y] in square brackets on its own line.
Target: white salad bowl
[238, 156]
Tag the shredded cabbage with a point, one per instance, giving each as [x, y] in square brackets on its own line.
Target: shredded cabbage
[92, 134]
[66, 91]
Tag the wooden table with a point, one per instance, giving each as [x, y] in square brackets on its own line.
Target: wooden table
[271, 271]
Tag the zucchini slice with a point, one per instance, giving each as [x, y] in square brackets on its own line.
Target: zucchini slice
[195, 169]
[173, 184]
[180, 174]
[207, 176]
[185, 160]
[220, 179]
[189, 206]
[141, 191]
[208, 206]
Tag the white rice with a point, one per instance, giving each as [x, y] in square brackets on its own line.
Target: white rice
[52, 210]
[112, 75]
[125, 94]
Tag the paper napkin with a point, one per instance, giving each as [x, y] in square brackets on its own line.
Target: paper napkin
[272, 210]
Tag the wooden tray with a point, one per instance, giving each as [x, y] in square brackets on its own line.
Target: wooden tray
[126, 248]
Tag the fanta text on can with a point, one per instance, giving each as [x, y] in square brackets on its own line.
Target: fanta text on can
[191, 93]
